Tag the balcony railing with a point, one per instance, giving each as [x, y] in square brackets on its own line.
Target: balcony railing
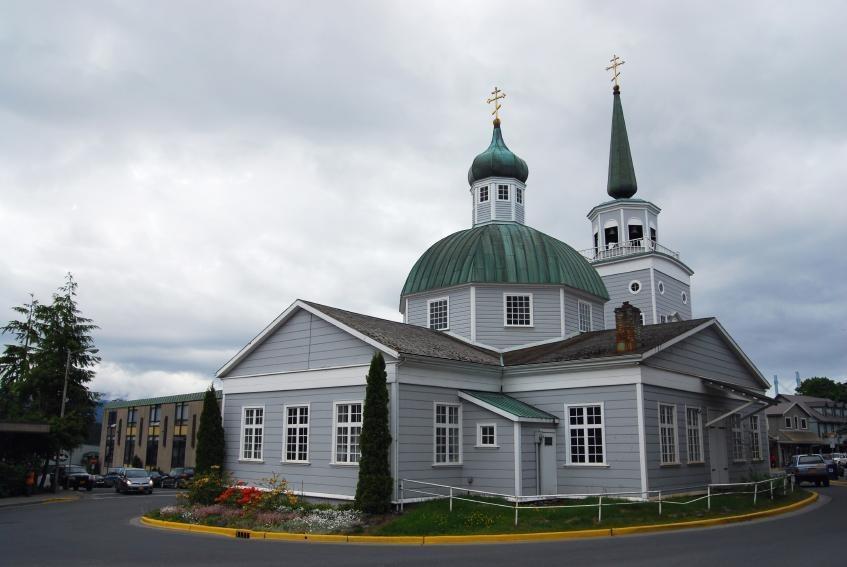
[627, 248]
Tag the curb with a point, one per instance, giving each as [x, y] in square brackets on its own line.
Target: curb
[493, 538]
[36, 502]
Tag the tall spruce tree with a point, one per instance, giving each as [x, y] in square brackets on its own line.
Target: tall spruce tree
[210, 435]
[373, 491]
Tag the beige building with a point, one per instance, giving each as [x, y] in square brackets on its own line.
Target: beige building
[162, 432]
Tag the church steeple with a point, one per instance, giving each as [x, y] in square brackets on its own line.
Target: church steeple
[621, 184]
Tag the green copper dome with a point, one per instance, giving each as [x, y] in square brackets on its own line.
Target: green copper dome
[497, 161]
[502, 253]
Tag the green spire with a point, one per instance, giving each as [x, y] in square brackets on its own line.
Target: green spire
[622, 184]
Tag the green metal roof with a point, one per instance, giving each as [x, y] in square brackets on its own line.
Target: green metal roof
[512, 406]
[177, 399]
[622, 182]
[497, 161]
[502, 253]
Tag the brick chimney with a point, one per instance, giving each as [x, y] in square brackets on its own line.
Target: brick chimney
[627, 327]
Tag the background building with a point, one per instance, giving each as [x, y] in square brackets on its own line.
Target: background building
[162, 432]
[806, 424]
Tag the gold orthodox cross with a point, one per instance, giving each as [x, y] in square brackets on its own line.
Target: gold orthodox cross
[496, 95]
[615, 63]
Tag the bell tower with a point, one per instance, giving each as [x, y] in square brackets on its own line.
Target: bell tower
[626, 250]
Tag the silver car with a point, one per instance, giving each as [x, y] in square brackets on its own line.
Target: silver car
[811, 468]
[134, 480]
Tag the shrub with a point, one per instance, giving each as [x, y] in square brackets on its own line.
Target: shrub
[137, 463]
[373, 490]
[205, 488]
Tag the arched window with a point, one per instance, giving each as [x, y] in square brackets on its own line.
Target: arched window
[610, 233]
[635, 231]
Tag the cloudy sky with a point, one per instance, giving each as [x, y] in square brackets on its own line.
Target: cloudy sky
[200, 165]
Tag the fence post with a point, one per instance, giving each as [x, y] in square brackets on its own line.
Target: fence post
[660, 502]
[708, 497]
[600, 509]
[771, 483]
[451, 498]
[516, 511]
[402, 494]
[755, 492]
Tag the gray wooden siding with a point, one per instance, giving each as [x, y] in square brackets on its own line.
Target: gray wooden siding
[483, 211]
[302, 343]
[621, 431]
[706, 354]
[683, 475]
[671, 301]
[572, 313]
[459, 314]
[503, 209]
[618, 287]
[320, 475]
[488, 469]
[489, 316]
[417, 442]
[519, 210]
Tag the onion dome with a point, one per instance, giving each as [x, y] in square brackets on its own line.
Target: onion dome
[622, 184]
[502, 253]
[497, 161]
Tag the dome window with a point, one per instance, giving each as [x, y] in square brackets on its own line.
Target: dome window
[439, 311]
[634, 287]
[517, 310]
[483, 194]
[502, 192]
[519, 195]
[684, 298]
[661, 287]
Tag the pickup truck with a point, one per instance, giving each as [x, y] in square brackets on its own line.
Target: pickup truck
[811, 468]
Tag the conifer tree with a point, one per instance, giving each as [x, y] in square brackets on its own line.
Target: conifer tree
[210, 435]
[373, 491]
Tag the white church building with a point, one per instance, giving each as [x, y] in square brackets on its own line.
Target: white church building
[522, 366]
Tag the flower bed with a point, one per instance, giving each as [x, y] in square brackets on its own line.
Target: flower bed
[213, 500]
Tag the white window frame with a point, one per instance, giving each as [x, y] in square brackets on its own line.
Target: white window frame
[755, 439]
[348, 426]
[788, 422]
[684, 298]
[629, 287]
[643, 318]
[699, 435]
[518, 195]
[253, 427]
[737, 438]
[531, 309]
[448, 426]
[579, 305]
[508, 192]
[479, 194]
[661, 287]
[804, 423]
[479, 442]
[585, 427]
[285, 428]
[429, 302]
[674, 428]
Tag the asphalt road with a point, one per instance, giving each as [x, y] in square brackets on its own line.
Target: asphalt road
[101, 529]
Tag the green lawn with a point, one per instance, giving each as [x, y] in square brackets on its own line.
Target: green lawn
[435, 518]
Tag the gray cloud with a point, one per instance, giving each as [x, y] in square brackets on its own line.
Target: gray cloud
[200, 166]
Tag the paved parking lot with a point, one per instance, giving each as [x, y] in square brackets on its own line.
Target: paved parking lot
[100, 528]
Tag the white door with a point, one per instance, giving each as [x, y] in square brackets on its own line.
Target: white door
[547, 463]
[718, 458]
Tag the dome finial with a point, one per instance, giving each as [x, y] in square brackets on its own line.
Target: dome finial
[621, 184]
[496, 96]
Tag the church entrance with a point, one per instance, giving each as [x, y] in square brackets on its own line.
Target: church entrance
[718, 458]
[548, 482]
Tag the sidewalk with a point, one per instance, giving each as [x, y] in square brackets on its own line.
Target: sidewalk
[43, 498]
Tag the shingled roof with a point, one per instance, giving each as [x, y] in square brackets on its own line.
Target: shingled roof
[599, 344]
[410, 339]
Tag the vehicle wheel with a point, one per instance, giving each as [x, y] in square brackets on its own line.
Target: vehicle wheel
[117, 489]
[148, 491]
[89, 488]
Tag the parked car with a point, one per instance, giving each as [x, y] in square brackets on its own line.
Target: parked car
[831, 466]
[810, 468]
[157, 478]
[76, 477]
[111, 476]
[134, 480]
[178, 477]
[839, 460]
[99, 481]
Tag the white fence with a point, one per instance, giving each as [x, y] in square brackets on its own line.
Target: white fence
[432, 491]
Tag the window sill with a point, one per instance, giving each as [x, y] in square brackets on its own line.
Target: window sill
[518, 326]
[446, 465]
[670, 465]
[696, 463]
[344, 464]
[302, 463]
[486, 446]
[251, 461]
[586, 466]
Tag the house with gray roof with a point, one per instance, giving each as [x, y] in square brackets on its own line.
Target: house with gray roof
[520, 366]
[806, 424]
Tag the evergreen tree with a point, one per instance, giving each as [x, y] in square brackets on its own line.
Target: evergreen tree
[50, 342]
[373, 491]
[210, 435]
